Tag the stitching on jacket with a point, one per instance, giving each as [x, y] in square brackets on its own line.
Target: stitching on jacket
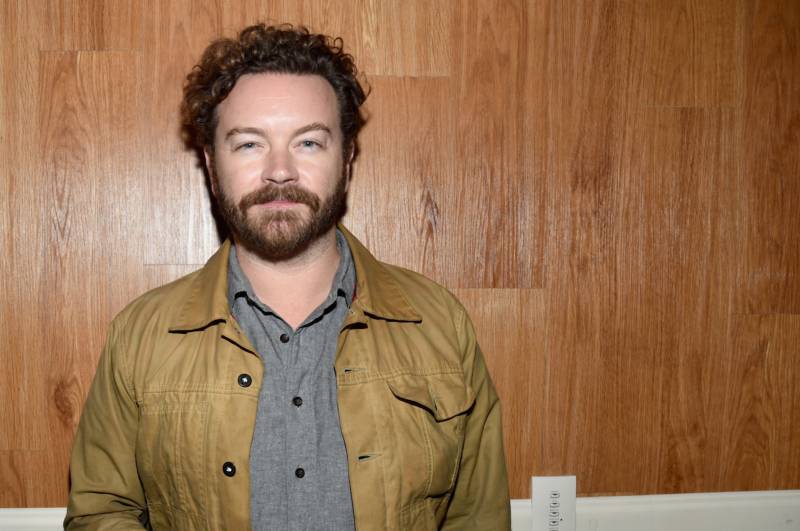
[359, 377]
[120, 354]
[211, 440]
[188, 388]
[421, 416]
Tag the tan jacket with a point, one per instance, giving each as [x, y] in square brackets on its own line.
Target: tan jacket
[419, 414]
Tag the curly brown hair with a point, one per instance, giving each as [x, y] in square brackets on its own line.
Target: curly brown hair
[279, 49]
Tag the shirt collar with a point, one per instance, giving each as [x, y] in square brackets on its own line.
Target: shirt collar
[343, 285]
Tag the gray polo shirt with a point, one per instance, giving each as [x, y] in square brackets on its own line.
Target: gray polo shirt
[298, 462]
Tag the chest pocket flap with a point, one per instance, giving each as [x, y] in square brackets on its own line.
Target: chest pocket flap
[445, 395]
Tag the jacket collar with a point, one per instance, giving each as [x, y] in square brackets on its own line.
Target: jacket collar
[377, 291]
[207, 302]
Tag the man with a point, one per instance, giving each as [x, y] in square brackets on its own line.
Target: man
[295, 382]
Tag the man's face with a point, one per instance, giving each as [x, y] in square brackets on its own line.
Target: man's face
[277, 169]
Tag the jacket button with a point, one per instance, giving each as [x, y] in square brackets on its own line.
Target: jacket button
[229, 469]
[297, 401]
[284, 338]
[299, 472]
[245, 380]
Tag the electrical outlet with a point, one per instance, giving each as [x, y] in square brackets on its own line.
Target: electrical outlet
[553, 503]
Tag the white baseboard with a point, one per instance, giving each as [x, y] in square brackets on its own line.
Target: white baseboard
[48, 519]
[726, 511]
[716, 511]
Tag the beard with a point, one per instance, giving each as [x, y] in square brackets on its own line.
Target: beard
[282, 234]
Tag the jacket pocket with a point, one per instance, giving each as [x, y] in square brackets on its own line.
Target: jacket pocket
[171, 454]
[429, 415]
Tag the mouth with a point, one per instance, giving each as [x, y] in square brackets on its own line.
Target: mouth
[278, 199]
[278, 203]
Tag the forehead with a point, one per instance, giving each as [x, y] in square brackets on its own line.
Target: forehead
[273, 97]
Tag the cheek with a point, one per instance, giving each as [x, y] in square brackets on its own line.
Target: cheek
[323, 175]
[237, 178]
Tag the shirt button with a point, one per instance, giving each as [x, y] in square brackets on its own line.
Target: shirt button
[297, 401]
[299, 472]
[229, 469]
[284, 338]
[245, 380]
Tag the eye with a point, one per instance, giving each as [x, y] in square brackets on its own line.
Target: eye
[310, 144]
[245, 146]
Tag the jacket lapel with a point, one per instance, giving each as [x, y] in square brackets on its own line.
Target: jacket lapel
[377, 291]
[207, 302]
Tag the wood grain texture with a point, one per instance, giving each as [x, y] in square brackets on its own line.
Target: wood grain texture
[90, 25]
[11, 361]
[470, 140]
[177, 200]
[20, 64]
[401, 185]
[34, 478]
[611, 188]
[389, 38]
[86, 199]
[691, 52]
[405, 38]
[770, 274]
[12, 482]
[688, 222]
[496, 209]
[762, 404]
[510, 326]
[588, 69]
[325, 16]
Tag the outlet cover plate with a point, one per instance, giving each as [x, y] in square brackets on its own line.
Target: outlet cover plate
[553, 503]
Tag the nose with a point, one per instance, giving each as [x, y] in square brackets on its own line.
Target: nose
[279, 168]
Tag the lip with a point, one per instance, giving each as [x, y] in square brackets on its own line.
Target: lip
[278, 204]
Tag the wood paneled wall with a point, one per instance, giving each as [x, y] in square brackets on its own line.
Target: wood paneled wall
[611, 187]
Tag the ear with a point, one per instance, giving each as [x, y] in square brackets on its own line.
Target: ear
[212, 176]
[347, 167]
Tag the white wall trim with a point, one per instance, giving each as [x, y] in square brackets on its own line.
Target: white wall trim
[39, 519]
[716, 511]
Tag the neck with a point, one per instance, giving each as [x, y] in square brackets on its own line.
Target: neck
[293, 288]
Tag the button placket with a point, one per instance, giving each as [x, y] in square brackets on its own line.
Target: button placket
[300, 440]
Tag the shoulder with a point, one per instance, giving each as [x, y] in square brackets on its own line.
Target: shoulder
[157, 307]
[188, 303]
[417, 285]
[429, 298]
[447, 335]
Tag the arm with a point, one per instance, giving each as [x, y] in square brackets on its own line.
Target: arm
[480, 498]
[105, 489]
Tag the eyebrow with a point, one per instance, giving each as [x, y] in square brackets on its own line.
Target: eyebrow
[244, 130]
[315, 126]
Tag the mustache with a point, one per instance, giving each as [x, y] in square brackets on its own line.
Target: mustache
[271, 192]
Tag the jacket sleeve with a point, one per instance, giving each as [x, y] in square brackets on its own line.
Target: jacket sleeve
[105, 491]
[480, 498]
